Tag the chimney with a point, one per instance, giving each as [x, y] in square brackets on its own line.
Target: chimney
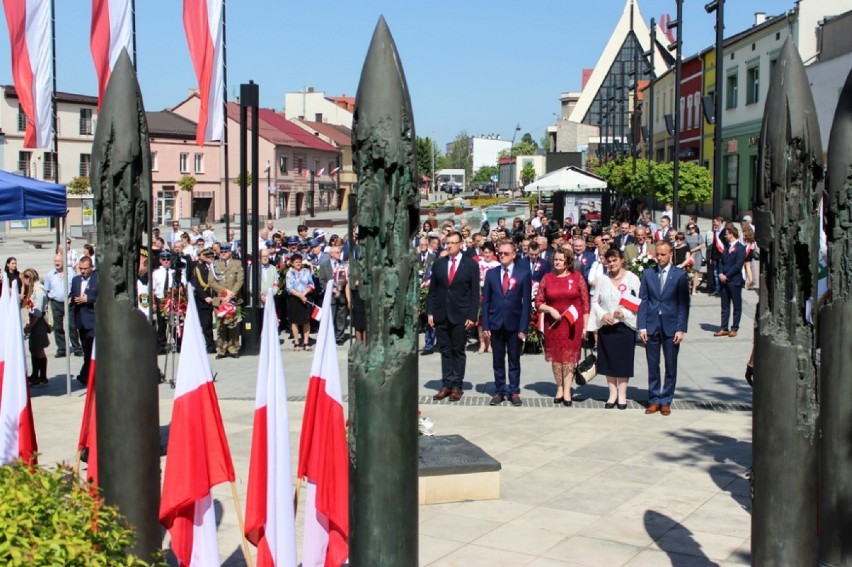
[310, 89]
[759, 18]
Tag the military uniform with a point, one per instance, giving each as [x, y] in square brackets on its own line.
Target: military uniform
[203, 291]
[227, 275]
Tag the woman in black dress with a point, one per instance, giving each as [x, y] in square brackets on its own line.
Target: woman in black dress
[12, 275]
[34, 304]
[614, 305]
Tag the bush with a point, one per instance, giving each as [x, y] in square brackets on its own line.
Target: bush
[52, 518]
[79, 185]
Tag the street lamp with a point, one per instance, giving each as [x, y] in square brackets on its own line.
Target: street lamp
[514, 176]
[677, 46]
[432, 147]
[269, 188]
[718, 6]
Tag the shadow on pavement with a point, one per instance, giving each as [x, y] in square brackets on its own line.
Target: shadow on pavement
[677, 541]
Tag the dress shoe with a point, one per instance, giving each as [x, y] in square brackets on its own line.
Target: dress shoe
[456, 395]
[235, 355]
[444, 393]
[653, 408]
[622, 406]
[722, 333]
[220, 356]
[666, 410]
[558, 400]
[609, 405]
[82, 380]
[567, 402]
[496, 400]
[516, 400]
[749, 375]
[732, 334]
[427, 351]
[60, 355]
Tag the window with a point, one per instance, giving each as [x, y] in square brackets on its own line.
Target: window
[86, 128]
[154, 165]
[49, 167]
[282, 164]
[22, 119]
[331, 166]
[316, 166]
[24, 161]
[732, 177]
[772, 64]
[696, 108]
[184, 163]
[199, 163]
[732, 91]
[318, 117]
[300, 166]
[752, 85]
[85, 164]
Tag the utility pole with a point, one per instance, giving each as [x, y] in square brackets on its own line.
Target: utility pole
[719, 7]
[652, 76]
[678, 47]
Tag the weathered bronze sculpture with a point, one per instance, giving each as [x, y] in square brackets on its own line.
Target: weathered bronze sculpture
[383, 371]
[784, 519]
[835, 341]
[127, 409]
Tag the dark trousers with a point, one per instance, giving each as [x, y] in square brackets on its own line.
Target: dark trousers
[340, 312]
[57, 308]
[731, 294]
[205, 315]
[504, 341]
[87, 338]
[451, 343]
[661, 393]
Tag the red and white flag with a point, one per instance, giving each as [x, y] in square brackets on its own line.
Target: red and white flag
[321, 171]
[305, 173]
[571, 314]
[316, 313]
[198, 457]
[630, 302]
[88, 428]
[270, 514]
[29, 23]
[323, 455]
[205, 28]
[17, 432]
[334, 171]
[112, 31]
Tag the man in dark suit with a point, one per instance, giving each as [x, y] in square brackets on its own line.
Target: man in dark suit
[452, 308]
[204, 297]
[425, 260]
[731, 282]
[505, 319]
[84, 294]
[583, 257]
[538, 266]
[624, 237]
[662, 322]
[334, 271]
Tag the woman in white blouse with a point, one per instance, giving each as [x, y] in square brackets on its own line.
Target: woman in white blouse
[614, 307]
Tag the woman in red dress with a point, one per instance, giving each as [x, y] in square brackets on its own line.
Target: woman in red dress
[560, 290]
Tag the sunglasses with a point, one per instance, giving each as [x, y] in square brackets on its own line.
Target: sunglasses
[504, 253]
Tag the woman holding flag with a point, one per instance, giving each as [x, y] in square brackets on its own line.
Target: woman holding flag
[615, 306]
[299, 285]
[563, 297]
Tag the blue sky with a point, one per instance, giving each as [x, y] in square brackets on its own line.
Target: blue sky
[482, 66]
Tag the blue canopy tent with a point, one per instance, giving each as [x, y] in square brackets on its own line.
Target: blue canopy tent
[22, 198]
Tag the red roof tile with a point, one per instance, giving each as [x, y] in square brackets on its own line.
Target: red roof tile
[340, 134]
[280, 131]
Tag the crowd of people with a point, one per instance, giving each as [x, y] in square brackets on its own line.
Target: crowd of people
[574, 286]
[585, 287]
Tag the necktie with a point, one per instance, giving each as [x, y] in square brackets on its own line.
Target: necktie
[662, 278]
[505, 280]
[452, 270]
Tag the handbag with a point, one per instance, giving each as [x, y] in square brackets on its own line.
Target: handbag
[587, 369]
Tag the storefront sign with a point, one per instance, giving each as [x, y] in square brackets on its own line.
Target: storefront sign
[88, 212]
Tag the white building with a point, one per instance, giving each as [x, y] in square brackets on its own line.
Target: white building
[484, 149]
[313, 105]
[76, 120]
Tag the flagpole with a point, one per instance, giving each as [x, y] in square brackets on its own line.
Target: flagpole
[55, 110]
[225, 119]
[296, 496]
[246, 548]
[133, 30]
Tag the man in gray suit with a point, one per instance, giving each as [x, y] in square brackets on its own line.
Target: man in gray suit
[334, 271]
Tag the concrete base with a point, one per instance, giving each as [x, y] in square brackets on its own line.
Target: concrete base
[452, 469]
[458, 487]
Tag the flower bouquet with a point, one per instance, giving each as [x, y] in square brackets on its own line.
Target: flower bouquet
[424, 425]
[174, 303]
[535, 338]
[283, 268]
[229, 315]
[641, 263]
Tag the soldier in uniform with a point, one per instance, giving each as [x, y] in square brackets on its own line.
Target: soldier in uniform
[162, 280]
[227, 282]
[204, 296]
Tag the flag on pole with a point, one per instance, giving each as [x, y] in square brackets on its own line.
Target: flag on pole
[112, 31]
[571, 315]
[334, 171]
[630, 302]
[205, 29]
[323, 455]
[29, 23]
[305, 173]
[321, 171]
[316, 313]
[198, 457]
[270, 514]
[88, 441]
[17, 432]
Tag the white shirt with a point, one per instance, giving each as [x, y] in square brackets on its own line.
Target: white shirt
[158, 278]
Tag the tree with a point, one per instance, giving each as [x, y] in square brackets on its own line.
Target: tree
[528, 139]
[485, 173]
[459, 155]
[695, 183]
[236, 180]
[544, 142]
[425, 149]
[79, 185]
[522, 148]
[527, 173]
[187, 183]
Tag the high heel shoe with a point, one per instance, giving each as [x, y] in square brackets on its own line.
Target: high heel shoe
[567, 401]
[622, 406]
[609, 405]
[558, 400]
